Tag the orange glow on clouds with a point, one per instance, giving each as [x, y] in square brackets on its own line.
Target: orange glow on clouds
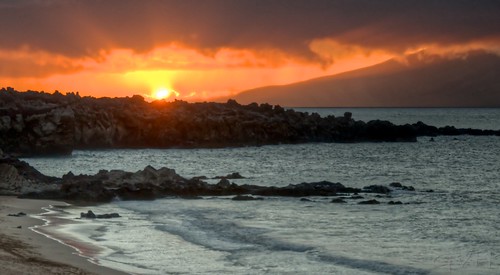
[177, 72]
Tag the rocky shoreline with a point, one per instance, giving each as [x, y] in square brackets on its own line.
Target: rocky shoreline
[36, 123]
[20, 179]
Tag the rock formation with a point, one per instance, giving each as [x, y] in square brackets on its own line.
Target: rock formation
[19, 178]
[37, 123]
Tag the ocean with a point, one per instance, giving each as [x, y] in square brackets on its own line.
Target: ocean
[453, 230]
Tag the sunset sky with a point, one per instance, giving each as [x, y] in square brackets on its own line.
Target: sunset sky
[203, 49]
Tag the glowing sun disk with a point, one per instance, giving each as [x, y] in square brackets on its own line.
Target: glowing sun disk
[162, 93]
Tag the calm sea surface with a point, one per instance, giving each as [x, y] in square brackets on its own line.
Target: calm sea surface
[455, 229]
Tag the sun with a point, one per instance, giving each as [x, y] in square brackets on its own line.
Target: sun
[161, 93]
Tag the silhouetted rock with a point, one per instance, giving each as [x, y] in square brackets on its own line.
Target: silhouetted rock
[33, 123]
[394, 202]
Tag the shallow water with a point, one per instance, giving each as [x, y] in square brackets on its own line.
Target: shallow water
[451, 230]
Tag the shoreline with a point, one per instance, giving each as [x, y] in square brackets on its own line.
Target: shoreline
[27, 248]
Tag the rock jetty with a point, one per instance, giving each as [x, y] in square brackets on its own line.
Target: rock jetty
[38, 123]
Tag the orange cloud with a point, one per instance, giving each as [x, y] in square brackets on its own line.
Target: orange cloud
[188, 73]
[24, 63]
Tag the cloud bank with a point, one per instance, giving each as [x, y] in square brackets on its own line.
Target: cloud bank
[89, 28]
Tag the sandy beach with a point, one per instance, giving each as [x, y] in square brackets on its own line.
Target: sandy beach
[23, 251]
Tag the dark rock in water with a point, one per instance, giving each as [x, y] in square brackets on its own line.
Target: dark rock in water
[396, 184]
[377, 189]
[108, 216]
[224, 183]
[369, 202]
[431, 139]
[20, 214]
[408, 188]
[338, 200]
[394, 202]
[245, 198]
[355, 197]
[91, 215]
[322, 188]
[231, 176]
[305, 199]
[429, 190]
[88, 215]
[402, 187]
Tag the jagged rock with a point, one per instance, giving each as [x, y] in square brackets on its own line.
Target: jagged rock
[224, 183]
[18, 177]
[33, 123]
[394, 202]
[369, 202]
[88, 215]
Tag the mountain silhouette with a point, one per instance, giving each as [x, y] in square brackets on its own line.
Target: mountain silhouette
[418, 80]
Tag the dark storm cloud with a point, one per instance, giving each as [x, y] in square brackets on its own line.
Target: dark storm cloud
[84, 28]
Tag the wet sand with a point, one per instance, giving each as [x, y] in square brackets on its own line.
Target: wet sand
[23, 251]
